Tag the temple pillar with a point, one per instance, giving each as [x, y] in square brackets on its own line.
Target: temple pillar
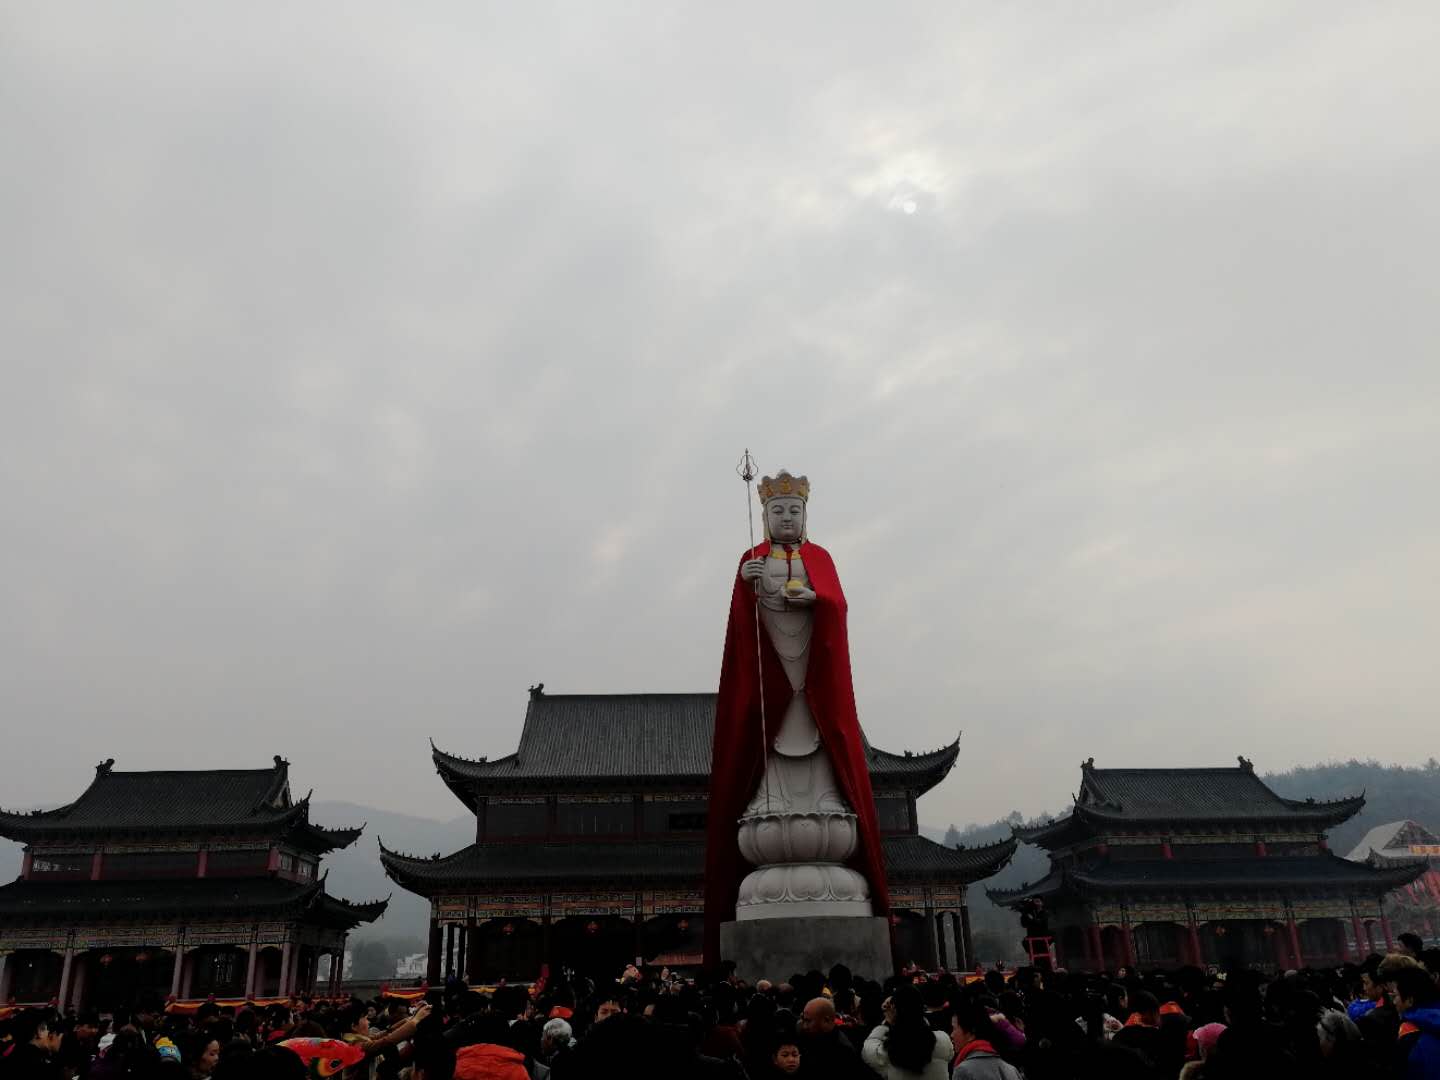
[337, 966]
[1344, 940]
[1277, 945]
[77, 991]
[1295, 940]
[283, 990]
[177, 969]
[7, 977]
[96, 861]
[967, 939]
[26, 864]
[932, 948]
[462, 953]
[449, 951]
[545, 934]
[947, 941]
[202, 863]
[472, 951]
[432, 960]
[1385, 929]
[250, 968]
[1127, 946]
[187, 972]
[64, 995]
[1197, 951]
[1369, 937]
[1359, 936]
[1097, 947]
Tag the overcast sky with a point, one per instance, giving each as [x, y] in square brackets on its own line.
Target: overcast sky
[364, 366]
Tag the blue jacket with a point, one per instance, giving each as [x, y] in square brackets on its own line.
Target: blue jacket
[1424, 1060]
[1359, 1008]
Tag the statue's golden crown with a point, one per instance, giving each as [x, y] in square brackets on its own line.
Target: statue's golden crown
[785, 486]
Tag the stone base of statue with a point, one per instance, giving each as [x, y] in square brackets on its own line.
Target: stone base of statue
[777, 948]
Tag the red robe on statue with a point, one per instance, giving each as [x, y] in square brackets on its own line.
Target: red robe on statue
[738, 754]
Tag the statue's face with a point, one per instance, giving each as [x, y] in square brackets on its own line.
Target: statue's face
[785, 519]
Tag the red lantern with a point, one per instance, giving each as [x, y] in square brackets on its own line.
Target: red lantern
[508, 929]
[683, 924]
[106, 960]
[141, 956]
[1269, 930]
[1220, 930]
[592, 927]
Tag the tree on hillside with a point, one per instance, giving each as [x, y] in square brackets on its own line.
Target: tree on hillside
[372, 960]
[952, 836]
[1392, 793]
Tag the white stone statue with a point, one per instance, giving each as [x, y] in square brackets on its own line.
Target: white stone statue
[797, 829]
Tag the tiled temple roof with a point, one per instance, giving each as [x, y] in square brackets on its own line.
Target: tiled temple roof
[1310, 872]
[62, 901]
[498, 865]
[186, 800]
[1392, 842]
[1136, 798]
[590, 738]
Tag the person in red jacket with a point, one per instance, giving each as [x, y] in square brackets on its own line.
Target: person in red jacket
[489, 1057]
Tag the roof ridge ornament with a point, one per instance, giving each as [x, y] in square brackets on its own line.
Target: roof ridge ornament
[1246, 764]
[104, 768]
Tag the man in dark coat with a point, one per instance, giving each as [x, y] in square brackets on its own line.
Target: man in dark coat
[825, 1051]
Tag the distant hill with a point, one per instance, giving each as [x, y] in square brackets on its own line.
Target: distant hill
[1392, 793]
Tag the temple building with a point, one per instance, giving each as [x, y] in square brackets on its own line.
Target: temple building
[590, 845]
[1160, 867]
[1415, 907]
[180, 884]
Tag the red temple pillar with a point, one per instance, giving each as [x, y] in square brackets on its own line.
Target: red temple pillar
[1359, 936]
[1097, 947]
[179, 970]
[1369, 936]
[95, 862]
[1345, 955]
[1295, 941]
[1385, 929]
[1197, 954]
[1127, 946]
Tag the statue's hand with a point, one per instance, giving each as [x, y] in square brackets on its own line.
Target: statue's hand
[752, 569]
[802, 598]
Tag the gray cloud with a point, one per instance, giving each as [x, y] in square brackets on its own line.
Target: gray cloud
[363, 366]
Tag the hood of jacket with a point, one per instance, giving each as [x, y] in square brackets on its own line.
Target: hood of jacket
[489, 1061]
[1426, 1018]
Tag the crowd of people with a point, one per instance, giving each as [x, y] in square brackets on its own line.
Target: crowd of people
[1373, 1021]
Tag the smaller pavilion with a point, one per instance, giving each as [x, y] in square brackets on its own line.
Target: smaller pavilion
[181, 884]
[1398, 844]
[1203, 866]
